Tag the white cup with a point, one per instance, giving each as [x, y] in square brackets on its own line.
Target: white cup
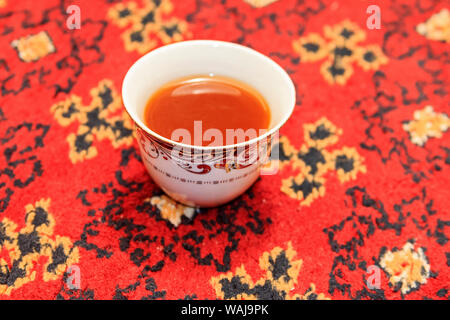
[204, 176]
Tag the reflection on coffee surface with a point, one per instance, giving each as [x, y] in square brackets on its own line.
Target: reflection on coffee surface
[207, 110]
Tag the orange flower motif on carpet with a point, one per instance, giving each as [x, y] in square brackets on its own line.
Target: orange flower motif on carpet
[426, 124]
[103, 118]
[260, 3]
[340, 48]
[171, 210]
[313, 160]
[21, 250]
[437, 27]
[34, 47]
[147, 26]
[407, 268]
[282, 271]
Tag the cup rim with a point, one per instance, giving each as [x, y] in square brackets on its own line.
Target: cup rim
[215, 43]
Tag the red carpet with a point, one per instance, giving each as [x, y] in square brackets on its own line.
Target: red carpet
[359, 209]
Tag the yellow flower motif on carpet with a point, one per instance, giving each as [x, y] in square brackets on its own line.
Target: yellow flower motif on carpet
[345, 161]
[426, 124]
[345, 32]
[312, 161]
[282, 271]
[145, 26]
[321, 134]
[336, 70]
[171, 210]
[311, 48]
[437, 27]
[304, 187]
[370, 57]
[34, 47]
[102, 119]
[407, 268]
[24, 248]
[340, 48]
[260, 3]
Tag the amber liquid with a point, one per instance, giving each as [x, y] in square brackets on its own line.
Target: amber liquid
[218, 102]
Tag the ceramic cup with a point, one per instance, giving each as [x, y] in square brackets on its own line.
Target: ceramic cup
[206, 176]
